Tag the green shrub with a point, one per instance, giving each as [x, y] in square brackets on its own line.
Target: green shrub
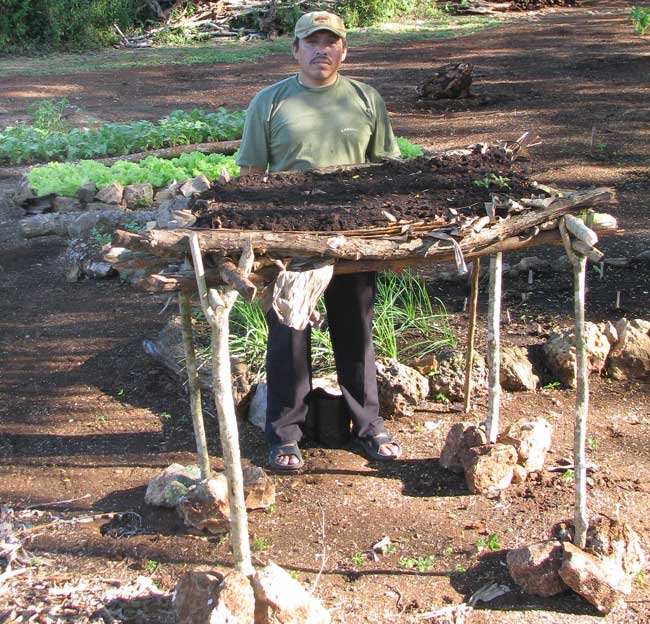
[357, 13]
[64, 24]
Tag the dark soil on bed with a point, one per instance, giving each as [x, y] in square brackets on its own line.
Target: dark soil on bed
[422, 189]
[87, 418]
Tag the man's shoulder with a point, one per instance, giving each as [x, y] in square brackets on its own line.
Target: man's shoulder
[279, 89]
[364, 91]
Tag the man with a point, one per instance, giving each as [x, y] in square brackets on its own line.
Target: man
[319, 118]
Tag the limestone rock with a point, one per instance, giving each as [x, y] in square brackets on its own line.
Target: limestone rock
[535, 568]
[519, 474]
[531, 262]
[284, 600]
[138, 196]
[66, 204]
[400, 387]
[175, 213]
[489, 468]
[198, 184]
[516, 370]
[86, 192]
[111, 194]
[205, 505]
[616, 540]
[23, 192]
[461, 437]
[257, 408]
[97, 268]
[259, 489]
[211, 598]
[597, 581]
[449, 379]
[531, 438]
[166, 489]
[630, 356]
[561, 353]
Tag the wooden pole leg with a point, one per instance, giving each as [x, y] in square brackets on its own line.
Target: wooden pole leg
[473, 304]
[193, 384]
[216, 306]
[494, 347]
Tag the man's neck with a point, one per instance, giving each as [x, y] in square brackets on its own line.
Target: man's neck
[305, 81]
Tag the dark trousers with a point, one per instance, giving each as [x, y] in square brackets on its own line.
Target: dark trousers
[349, 302]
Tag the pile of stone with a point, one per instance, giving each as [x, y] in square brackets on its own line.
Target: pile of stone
[491, 468]
[602, 573]
[203, 504]
[110, 207]
[621, 349]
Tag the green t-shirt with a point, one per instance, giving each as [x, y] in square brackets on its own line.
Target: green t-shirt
[289, 126]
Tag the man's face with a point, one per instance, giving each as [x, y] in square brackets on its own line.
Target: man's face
[319, 55]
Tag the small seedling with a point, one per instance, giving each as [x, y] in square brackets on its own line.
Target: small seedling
[151, 566]
[357, 559]
[271, 508]
[441, 397]
[448, 551]
[420, 429]
[421, 564]
[166, 415]
[640, 17]
[568, 475]
[101, 238]
[491, 543]
[551, 385]
[260, 544]
[293, 574]
[600, 148]
[492, 179]
[101, 418]
[592, 444]
[459, 569]
[640, 578]
[120, 392]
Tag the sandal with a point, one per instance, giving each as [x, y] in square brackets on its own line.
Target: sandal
[278, 450]
[371, 445]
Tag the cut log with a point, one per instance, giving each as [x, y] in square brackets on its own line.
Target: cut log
[177, 280]
[341, 247]
[72, 224]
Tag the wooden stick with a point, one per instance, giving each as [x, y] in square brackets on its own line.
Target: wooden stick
[175, 281]
[231, 276]
[217, 317]
[193, 384]
[494, 318]
[340, 246]
[476, 268]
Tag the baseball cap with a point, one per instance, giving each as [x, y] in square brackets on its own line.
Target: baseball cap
[319, 20]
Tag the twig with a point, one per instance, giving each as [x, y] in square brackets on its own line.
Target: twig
[323, 553]
[61, 502]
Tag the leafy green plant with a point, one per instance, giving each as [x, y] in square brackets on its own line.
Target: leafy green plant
[640, 17]
[492, 179]
[407, 149]
[357, 559]
[491, 542]
[441, 397]
[421, 564]
[151, 566]
[568, 475]
[593, 444]
[407, 325]
[101, 238]
[259, 544]
[47, 140]
[48, 115]
[65, 178]
[551, 385]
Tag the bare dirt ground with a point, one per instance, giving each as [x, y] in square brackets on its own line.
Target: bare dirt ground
[86, 418]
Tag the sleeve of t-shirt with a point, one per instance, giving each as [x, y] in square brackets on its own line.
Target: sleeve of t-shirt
[382, 144]
[254, 148]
